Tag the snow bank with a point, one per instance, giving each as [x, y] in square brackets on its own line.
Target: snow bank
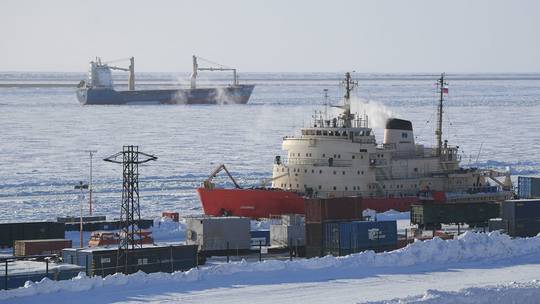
[523, 293]
[467, 247]
[165, 229]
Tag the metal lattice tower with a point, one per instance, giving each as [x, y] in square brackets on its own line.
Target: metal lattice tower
[130, 212]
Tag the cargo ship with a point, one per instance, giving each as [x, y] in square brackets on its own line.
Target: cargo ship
[98, 88]
[339, 157]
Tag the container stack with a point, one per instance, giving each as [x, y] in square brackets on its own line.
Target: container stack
[323, 212]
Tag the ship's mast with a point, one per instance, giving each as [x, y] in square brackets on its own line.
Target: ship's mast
[349, 85]
[438, 132]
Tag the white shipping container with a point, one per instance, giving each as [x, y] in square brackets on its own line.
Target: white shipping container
[219, 233]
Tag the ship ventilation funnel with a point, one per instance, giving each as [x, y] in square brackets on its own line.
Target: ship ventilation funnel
[399, 132]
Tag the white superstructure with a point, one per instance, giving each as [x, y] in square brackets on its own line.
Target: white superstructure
[340, 157]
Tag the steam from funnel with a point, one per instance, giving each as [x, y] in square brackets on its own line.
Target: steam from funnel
[377, 113]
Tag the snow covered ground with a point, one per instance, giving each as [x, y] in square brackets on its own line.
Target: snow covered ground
[420, 272]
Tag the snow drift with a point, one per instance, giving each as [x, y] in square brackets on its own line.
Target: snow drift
[523, 293]
[466, 248]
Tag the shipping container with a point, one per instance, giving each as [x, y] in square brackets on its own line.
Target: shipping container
[287, 235]
[40, 247]
[105, 225]
[10, 232]
[431, 216]
[333, 209]
[219, 233]
[344, 238]
[528, 187]
[522, 217]
[77, 219]
[103, 261]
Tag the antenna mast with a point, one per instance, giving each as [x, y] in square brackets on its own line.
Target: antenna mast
[349, 85]
[443, 89]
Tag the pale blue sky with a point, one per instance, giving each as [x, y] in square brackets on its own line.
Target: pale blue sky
[273, 36]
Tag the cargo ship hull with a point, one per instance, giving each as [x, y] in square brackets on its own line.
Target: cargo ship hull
[262, 203]
[239, 94]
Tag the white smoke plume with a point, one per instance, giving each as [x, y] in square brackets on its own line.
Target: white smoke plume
[377, 113]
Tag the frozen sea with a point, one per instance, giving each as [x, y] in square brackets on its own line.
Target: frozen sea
[44, 132]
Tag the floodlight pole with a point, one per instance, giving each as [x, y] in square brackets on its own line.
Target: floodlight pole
[81, 186]
[90, 185]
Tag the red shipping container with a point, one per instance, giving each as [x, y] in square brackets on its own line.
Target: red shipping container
[333, 209]
[172, 215]
[40, 247]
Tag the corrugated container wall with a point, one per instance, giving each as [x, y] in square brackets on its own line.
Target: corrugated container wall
[333, 209]
[522, 217]
[40, 247]
[10, 232]
[528, 187]
[219, 233]
[428, 215]
[349, 237]
[99, 261]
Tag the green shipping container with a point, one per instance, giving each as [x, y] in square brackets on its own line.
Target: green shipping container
[474, 214]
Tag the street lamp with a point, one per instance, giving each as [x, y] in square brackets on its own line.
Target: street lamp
[81, 186]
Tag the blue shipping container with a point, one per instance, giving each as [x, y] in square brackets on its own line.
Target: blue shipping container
[347, 237]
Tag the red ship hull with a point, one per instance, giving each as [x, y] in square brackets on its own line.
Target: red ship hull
[261, 203]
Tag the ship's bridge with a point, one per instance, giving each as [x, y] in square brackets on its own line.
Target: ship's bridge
[360, 135]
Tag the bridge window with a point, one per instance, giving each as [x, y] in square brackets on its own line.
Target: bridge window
[335, 188]
[343, 172]
[345, 188]
[334, 172]
[320, 187]
[353, 157]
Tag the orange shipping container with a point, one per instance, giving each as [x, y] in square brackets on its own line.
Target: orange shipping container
[40, 247]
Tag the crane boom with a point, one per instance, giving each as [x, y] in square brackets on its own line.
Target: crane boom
[208, 182]
[196, 69]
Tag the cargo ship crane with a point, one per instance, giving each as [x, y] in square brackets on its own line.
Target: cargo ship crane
[208, 182]
[219, 67]
[131, 70]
